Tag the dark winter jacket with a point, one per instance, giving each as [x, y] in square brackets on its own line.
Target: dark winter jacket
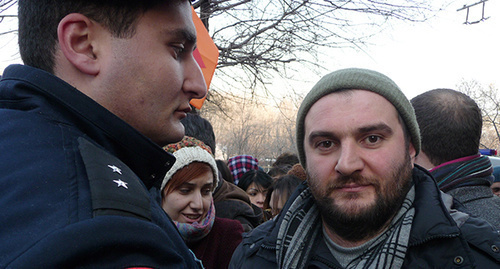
[468, 180]
[231, 202]
[437, 240]
[78, 186]
[215, 250]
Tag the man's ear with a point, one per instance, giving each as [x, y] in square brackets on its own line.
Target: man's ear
[76, 42]
[412, 152]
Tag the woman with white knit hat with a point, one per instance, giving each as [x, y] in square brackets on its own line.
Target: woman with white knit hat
[187, 198]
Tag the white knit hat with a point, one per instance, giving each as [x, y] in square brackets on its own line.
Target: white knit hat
[187, 151]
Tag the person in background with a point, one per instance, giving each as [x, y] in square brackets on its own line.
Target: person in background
[495, 186]
[230, 201]
[200, 128]
[256, 183]
[283, 164]
[450, 125]
[240, 164]
[187, 198]
[104, 85]
[279, 192]
[224, 170]
[276, 172]
[298, 171]
[364, 204]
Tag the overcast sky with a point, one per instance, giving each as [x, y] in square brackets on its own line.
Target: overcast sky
[439, 53]
[419, 57]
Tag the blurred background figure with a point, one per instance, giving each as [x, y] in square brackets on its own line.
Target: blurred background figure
[495, 187]
[298, 171]
[283, 164]
[240, 164]
[224, 171]
[187, 198]
[256, 183]
[450, 125]
[279, 192]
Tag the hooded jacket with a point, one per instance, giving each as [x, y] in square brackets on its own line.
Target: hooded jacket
[231, 202]
[79, 186]
[436, 239]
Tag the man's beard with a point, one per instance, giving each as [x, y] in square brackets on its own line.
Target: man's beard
[364, 223]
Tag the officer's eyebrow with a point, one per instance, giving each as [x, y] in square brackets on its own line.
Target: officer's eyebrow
[184, 34]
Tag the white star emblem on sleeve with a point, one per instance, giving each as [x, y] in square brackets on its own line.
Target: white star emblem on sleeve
[121, 183]
[115, 169]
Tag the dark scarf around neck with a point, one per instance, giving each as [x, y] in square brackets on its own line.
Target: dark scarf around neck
[470, 172]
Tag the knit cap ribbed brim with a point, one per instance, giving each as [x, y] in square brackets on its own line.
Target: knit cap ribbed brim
[189, 150]
[360, 79]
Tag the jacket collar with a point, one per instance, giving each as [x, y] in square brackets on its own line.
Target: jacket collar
[65, 103]
[432, 219]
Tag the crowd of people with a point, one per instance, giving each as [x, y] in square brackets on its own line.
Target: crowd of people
[104, 165]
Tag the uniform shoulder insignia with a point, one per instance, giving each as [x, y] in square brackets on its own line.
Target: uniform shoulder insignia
[114, 188]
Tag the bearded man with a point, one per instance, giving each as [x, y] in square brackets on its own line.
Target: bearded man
[365, 204]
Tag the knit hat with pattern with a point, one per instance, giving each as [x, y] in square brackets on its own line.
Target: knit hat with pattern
[186, 151]
[239, 165]
[360, 79]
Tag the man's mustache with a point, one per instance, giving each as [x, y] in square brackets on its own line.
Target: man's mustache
[355, 178]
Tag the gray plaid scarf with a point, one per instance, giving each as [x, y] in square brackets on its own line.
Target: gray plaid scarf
[302, 223]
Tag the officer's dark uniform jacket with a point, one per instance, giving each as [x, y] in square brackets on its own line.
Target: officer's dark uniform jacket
[435, 239]
[78, 186]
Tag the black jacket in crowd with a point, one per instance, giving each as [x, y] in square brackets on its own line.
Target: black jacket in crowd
[78, 186]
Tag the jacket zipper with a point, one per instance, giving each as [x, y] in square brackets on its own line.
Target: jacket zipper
[454, 235]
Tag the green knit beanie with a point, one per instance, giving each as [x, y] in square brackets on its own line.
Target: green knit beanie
[360, 79]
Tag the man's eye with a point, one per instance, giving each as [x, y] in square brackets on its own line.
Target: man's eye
[372, 139]
[178, 49]
[325, 144]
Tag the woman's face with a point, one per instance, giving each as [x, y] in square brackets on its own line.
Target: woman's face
[257, 194]
[191, 201]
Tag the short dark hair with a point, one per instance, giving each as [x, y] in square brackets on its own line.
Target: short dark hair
[282, 186]
[450, 124]
[224, 171]
[258, 177]
[39, 19]
[286, 159]
[199, 128]
[276, 171]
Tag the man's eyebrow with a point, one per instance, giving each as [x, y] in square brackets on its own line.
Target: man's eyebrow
[361, 130]
[316, 134]
[376, 127]
[184, 34]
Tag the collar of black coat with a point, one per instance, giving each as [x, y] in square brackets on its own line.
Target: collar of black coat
[146, 159]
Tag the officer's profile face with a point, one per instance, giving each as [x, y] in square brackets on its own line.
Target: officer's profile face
[148, 80]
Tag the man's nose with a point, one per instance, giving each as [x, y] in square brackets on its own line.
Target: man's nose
[350, 160]
[194, 82]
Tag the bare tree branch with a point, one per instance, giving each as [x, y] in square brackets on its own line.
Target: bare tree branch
[488, 100]
[260, 38]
